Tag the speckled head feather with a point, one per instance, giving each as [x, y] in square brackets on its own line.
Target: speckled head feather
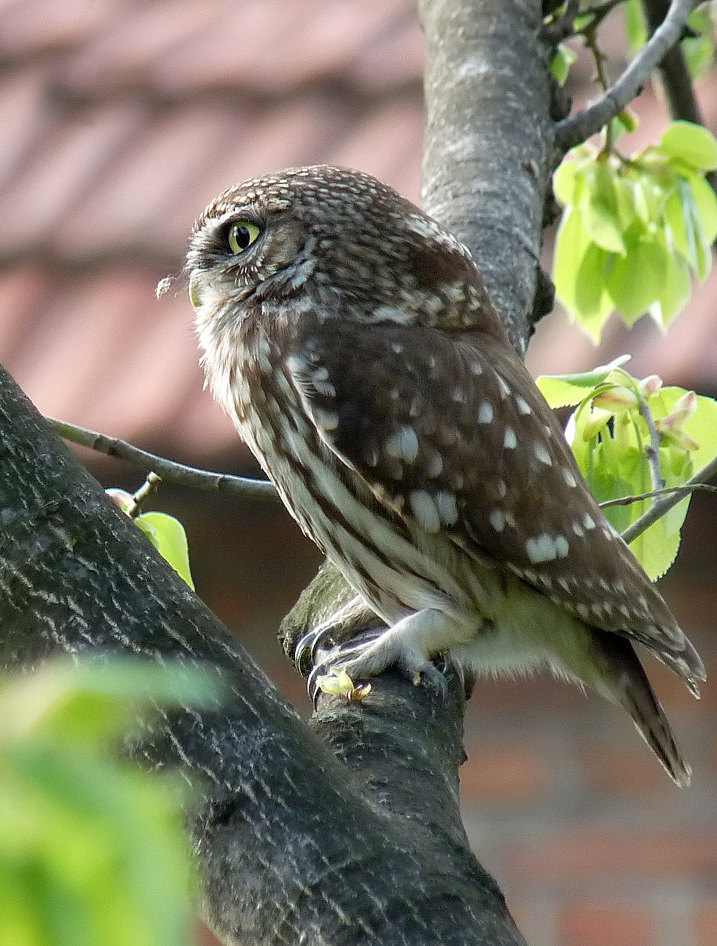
[353, 342]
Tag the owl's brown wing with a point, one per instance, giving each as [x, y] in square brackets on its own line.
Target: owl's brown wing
[451, 433]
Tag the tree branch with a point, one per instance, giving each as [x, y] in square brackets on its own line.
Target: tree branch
[577, 128]
[674, 74]
[489, 141]
[653, 451]
[169, 470]
[665, 503]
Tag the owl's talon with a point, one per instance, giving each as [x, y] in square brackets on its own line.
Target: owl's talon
[310, 644]
[433, 680]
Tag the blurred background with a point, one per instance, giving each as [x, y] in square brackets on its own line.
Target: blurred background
[120, 120]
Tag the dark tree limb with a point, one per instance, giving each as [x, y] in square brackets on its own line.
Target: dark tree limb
[489, 137]
[576, 129]
[673, 71]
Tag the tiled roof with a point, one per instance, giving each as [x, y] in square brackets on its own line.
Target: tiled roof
[122, 118]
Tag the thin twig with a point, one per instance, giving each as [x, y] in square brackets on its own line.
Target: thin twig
[577, 128]
[666, 491]
[665, 503]
[653, 451]
[167, 469]
[559, 26]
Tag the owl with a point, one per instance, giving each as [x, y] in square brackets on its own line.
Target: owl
[352, 341]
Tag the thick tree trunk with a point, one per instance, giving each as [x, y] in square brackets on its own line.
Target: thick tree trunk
[348, 831]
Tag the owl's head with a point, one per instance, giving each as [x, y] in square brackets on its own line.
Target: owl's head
[335, 241]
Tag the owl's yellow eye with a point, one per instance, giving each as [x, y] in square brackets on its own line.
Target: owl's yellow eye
[242, 235]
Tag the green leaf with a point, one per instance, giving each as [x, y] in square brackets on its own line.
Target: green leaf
[635, 25]
[637, 279]
[167, 535]
[699, 50]
[691, 143]
[567, 390]
[571, 244]
[706, 204]
[92, 701]
[568, 180]
[650, 195]
[628, 121]
[562, 61]
[675, 291]
[702, 426]
[682, 235]
[599, 208]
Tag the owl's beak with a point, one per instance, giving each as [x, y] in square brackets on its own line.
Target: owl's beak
[194, 295]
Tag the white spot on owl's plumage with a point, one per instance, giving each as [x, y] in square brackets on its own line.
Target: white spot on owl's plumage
[509, 438]
[504, 387]
[496, 517]
[541, 548]
[425, 511]
[447, 507]
[485, 412]
[403, 444]
[542, 454]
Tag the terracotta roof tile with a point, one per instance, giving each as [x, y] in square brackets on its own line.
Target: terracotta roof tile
[30, 27]
[24, 117]
[315, 40]
[387, 143]
[124, 55]
[128, 210]
[74, 155]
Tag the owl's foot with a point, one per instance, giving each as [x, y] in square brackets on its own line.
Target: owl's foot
[407, 645]
[419, 669]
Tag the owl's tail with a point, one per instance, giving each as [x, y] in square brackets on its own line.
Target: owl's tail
[624, 682]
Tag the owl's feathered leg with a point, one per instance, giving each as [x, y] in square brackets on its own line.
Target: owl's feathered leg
[409, 644]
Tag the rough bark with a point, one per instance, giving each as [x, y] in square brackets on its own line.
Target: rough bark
[489, 140]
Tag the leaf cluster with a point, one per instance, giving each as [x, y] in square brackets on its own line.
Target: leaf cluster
[611, 440]
[633, 230]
